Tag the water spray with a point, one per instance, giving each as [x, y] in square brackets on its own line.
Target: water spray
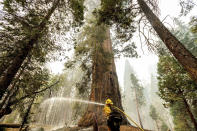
[90, 102]
[72, 99]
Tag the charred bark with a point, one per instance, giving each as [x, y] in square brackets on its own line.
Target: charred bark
[185, 58]
[104, 85]
[27, 45]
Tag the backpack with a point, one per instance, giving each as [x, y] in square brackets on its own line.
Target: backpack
[114, 121]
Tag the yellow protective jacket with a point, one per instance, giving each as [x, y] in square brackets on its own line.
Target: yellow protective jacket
[107, 110]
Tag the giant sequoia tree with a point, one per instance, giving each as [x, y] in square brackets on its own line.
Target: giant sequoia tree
[98, 46]
[104, 78]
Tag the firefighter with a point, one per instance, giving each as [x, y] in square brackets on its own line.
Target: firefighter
[114, 118]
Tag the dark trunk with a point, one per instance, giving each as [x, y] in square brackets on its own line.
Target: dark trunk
[4, 65]
[138, 112]
[104, 85]
[7, 102]
[190, 113]
[15, 101]
[185, 58]
[6, 96]
[25, 118]
[8, 75]
[4, 106]
[5, 111]
[6, 125]
[11, 91]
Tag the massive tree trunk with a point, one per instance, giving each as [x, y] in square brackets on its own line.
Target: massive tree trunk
[138, 112]
[185, 58]
[8, 75]
[104, 84]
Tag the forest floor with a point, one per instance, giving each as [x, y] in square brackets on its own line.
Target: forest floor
[101, 128]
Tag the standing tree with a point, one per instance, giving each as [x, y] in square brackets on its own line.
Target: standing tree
[176, 86]
[94, 46]
[28, 37]
[25, 28]
[139, 95]
[26, 44]
[181, 119]
[108, 14]
[159, 122]
[185, 58]
[104, 84]
[153, 114]
[27, 114]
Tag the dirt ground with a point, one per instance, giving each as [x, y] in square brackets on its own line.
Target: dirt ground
[105, 128]
[101, 128]
[122, 128]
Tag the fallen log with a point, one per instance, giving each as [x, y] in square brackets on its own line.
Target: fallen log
[8, 125]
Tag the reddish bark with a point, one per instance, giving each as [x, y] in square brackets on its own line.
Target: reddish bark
[104, 85]
[184, 57]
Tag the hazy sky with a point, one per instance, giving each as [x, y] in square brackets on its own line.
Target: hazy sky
[145, 65]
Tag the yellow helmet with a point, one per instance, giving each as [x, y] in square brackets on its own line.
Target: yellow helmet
[109, 101]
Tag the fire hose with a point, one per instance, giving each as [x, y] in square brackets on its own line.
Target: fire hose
[128, 117]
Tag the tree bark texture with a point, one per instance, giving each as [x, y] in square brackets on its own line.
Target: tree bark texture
[190, 113]
[25, 118]
[104, 85]
[184, 57]
[8, 75]
[138, 112]
[4, 105]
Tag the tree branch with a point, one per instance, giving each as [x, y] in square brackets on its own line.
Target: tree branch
[29, 95]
